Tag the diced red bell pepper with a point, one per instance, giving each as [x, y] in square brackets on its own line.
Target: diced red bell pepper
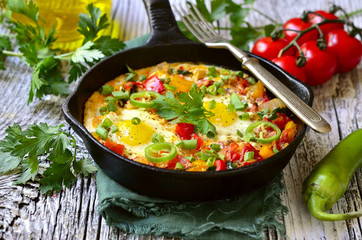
[249, 148]
[185, 130]
[153, 83]
[232, 152]
[220, 165]
[280, 121]
[115, 147]
[184, 161]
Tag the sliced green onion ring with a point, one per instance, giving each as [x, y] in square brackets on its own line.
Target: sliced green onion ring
[160, 152]
[249, 135]
[143, 99]
[135, 121]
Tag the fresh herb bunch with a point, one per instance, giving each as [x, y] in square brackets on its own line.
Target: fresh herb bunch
[35, 46]
[21, 151]
[241, 31]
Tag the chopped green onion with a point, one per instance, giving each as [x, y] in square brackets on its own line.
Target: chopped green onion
[212, 90]
[221, 156]
[231, 107]
[251, 80]
[111, 106]
[188, 144]
[157, 138]
[210, 162]
[106, 89]
[239, 105]
[103, 111]
[142, 77]
[211, 132]
[135, 121]
[212, 104]
[248, 156]
[244, 116]
[102, 132]
[275, 150]
[203, 88]
[170, 87]
[114, 129]
[220, 90]
[239, 133]
[179, 166]
[190, 158]
[121, 95]
[218, 84]
[107, 123]
[215, 147]
[203, 156]
[183, 72]
[212, 72]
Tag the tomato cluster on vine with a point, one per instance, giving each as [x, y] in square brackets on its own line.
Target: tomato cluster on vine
[313, 48]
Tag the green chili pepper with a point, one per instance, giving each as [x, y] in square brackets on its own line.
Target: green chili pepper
[249, 135]
[329, 179]
[143, 99]
[160, 152]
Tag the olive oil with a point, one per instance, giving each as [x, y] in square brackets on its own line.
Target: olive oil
[63, 15]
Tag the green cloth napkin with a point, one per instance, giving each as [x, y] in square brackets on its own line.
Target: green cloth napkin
[242, 217]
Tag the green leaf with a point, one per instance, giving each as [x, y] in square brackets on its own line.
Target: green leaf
[29, 170]
[13, 134]
[268, 29]
[28, 9]
[242, 36]
[38, 140]
[108, 46]
[86, 54]
[84, 166]
[8, 162]
[90, 24]
[56, 176]
[76, 71]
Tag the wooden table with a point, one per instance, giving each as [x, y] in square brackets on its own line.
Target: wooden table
[72, 214]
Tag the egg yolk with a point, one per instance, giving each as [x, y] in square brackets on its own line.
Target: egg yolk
[134, 135]
[222, 115]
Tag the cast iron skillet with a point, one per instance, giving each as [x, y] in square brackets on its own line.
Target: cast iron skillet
[168, 44]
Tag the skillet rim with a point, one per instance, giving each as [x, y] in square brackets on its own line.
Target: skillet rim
[208, 174]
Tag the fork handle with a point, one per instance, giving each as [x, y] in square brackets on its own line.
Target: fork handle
[307, 114]
[164, 29]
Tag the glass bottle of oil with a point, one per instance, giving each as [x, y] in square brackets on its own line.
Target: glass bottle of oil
[63, 14]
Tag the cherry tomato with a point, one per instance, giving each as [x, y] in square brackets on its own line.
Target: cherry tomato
[326, 28]
[288, 63]
[298, 24]
[348, 50]
[268, 48]
[185, 130]
[153, 83]
[321, 64]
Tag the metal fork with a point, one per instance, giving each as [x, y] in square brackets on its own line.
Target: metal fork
[206, 34]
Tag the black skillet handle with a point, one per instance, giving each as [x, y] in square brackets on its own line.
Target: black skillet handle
[164, 27]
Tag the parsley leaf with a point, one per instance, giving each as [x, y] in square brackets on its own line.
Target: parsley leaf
[187, 107]
[36, 47]
[90, 24]
[26, 148]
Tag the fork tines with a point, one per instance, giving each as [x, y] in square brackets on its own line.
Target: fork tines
[196, 23]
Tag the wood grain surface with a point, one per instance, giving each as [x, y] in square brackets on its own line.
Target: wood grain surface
[72, 214]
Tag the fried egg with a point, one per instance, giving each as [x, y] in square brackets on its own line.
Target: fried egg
[226, 122]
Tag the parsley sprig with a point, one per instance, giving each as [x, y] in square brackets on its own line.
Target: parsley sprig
[187, 107]
[22, 151]
[35, 46]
